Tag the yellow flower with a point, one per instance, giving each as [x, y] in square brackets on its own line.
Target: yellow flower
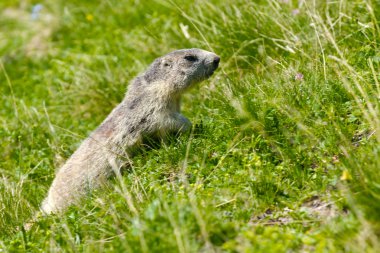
[345, 175]
[89, 17]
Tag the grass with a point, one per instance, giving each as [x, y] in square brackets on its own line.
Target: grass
[285, 155]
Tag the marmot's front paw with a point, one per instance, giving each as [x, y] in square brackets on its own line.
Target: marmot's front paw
[184, 124]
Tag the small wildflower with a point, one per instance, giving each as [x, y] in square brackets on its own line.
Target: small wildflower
[298, 77]
[346, 176]
[36, 11]
[335, 159]
[89, 17]
[295, 12]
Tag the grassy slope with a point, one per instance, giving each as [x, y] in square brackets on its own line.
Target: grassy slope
[266, 146]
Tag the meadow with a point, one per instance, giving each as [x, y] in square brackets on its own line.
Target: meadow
[284, 155]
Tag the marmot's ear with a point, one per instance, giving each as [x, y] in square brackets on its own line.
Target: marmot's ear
[166, 63]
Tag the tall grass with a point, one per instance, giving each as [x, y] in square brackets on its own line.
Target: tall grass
[284, 155]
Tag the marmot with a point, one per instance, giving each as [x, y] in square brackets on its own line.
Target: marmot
[151, 107]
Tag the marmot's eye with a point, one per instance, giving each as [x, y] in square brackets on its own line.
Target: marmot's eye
[191, 58]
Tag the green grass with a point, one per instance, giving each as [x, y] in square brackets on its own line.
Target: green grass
[285, 155]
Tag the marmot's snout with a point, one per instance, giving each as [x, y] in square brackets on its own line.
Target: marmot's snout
[213, 65]
[216, 61]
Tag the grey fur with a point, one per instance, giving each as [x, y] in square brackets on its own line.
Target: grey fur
[151, 107]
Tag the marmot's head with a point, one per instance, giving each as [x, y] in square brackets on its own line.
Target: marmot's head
[182, 68]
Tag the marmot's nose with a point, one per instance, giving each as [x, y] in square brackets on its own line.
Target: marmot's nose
[216, 61]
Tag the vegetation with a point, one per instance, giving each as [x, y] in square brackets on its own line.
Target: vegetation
[284, 155]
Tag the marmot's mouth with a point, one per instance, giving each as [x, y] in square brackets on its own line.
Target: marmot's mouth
[210, 72]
